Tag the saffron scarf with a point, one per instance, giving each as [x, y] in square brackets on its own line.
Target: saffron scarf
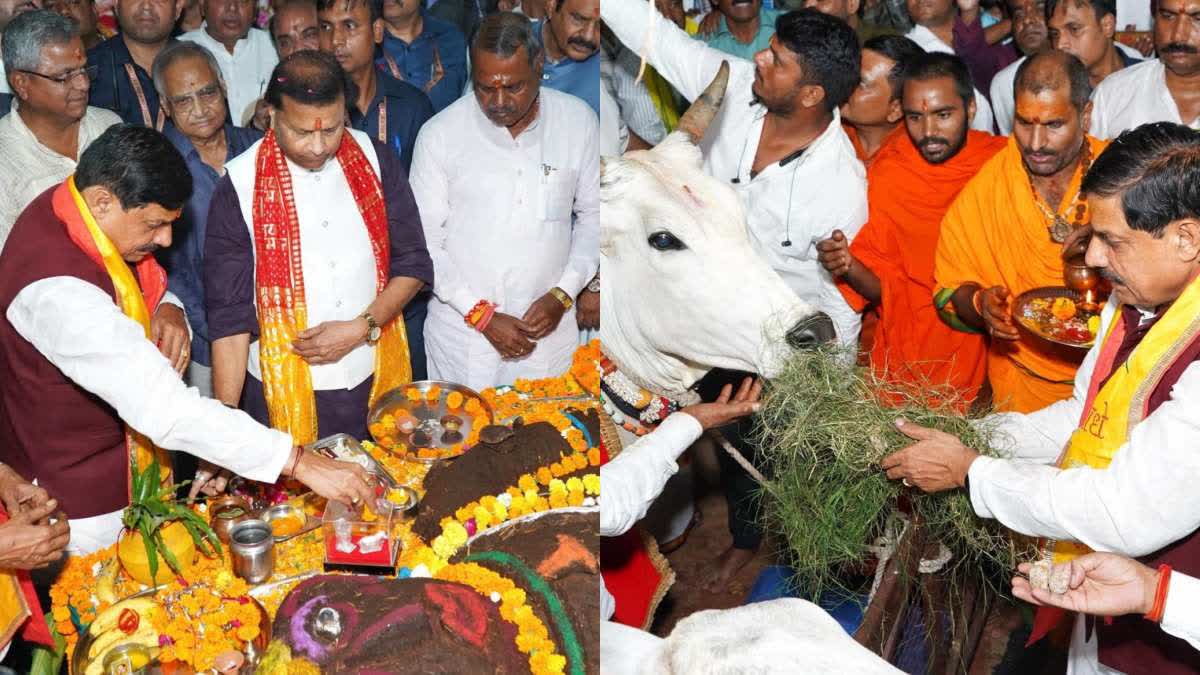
[1111, 411]
[135, 296]
[279, 286]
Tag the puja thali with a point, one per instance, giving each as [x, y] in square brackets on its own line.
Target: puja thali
[1055, 319]
[137, 651]
[429, 420]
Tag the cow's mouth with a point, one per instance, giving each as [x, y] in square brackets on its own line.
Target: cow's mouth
[811, 332]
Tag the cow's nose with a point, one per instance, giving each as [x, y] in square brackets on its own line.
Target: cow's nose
[811, 332]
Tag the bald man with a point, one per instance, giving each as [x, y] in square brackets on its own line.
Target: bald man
[1004, 233]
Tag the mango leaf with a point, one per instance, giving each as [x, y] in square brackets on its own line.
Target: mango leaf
[166, 553]
[151, 548]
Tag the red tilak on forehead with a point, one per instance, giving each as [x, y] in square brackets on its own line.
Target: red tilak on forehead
[320, 124]
[924, 106]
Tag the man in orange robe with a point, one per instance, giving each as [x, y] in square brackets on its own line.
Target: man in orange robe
[1000, 238]
[913, 180]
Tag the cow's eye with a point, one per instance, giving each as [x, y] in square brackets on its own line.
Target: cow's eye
[665, 241]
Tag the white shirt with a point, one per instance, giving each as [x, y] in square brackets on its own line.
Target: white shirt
[1144, 500]
[1003, 106]
[1181, 615]
[78, 328]
[802, 201]
[931, 43]
[28, 168]
[246, 71]
[4, 88]
[636, 476]
[337, 262]
[1132, 97]
[506, 220]
[614, 133]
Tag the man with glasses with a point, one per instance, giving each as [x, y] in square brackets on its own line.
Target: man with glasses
[40, 144]
[42, 141]
[189, 83]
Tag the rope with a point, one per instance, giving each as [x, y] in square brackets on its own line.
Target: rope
[737, 457]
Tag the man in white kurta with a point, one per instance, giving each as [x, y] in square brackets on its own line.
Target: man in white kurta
[792, 203]
[1166, 89]
[246, 63]
[510, 221]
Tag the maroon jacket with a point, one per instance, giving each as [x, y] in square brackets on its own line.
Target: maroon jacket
[1132, 644]
[51, 429]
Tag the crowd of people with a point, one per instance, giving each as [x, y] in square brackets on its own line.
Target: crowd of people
[221, 243]
[896, 196]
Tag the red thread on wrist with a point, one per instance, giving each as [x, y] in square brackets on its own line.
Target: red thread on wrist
[1160, 594]
[296, 452]
[486, 319]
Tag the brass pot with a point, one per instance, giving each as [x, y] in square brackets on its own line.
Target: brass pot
[225, 513]
[1082, 279]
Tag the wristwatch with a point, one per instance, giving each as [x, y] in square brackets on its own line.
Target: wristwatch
[373, 329]
[594, 285]
[562, 297]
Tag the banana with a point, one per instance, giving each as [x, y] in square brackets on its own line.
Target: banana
[106, 581]
[145, 635]
[107, 620]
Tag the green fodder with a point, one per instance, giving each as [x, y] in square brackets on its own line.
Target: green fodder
[825, 425]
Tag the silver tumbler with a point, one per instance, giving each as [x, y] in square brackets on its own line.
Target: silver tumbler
[253, 550]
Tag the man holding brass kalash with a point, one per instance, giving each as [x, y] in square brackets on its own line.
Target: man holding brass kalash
[1114, 467]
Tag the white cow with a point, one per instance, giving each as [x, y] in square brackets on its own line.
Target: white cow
[684, 292]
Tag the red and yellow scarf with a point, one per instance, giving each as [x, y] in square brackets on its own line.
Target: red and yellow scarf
[137, 297]
[279, 286]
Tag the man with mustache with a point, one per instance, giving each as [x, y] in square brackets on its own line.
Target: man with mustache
[910, 185]
[570, 37]
[309, 345]
[943, 26]
[245, 54]
[1166, 89]
[123, 83]
[188, 79]
[508, 183]
[1085, 28]
[1004, 233]
[389, 110]
[1112, 466]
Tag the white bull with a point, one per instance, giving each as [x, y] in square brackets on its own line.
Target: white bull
[684, 292]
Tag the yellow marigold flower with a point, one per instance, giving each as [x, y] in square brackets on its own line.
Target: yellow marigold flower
[247, 632]
[463, 514]
[517, 505]
[580, 459]
[531, 497]
[527, 482]
[591, 484]
[499, 513]
[574, 484]
[558, 500]
[556, 469]
[483, 518]
[526, 642]
[541, 505]
[442, 547]
[593, 456]
[557, 485]
[455, 532]
[514, 596]
[544, 476]
[575, 498]
[487, 502]
[515, 492]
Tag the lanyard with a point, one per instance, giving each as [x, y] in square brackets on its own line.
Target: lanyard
[436, 71]
[382, 133]
[157, 121]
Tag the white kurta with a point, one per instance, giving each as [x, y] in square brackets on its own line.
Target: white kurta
[1181, 615]
[800, 202]
[1144, 500]
[30, 168]
[246, 71]
[506, 219]
[338, 264]
[80, 330]
[931, 43]
[1132, 97]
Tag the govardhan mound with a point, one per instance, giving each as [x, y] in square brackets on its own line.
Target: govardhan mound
[555, 558]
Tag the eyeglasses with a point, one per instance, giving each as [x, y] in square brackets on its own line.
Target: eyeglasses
[202, 98]
[87, 72]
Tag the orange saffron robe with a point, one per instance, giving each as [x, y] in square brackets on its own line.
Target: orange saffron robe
[908, 198]
[995, 235]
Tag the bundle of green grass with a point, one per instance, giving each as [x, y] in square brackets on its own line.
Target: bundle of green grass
[824, 427]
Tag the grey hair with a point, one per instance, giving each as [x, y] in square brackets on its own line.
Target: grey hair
[28, 32]
[503, 33]
[175, 51]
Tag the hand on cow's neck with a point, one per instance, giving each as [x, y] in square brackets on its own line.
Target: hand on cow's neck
[783, 135]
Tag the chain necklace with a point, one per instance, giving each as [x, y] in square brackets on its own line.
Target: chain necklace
[1059, 227]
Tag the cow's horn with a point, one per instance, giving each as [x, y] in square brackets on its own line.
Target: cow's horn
[702, 111]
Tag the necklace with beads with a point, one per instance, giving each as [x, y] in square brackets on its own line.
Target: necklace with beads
[631, 406]
[1059, 227]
